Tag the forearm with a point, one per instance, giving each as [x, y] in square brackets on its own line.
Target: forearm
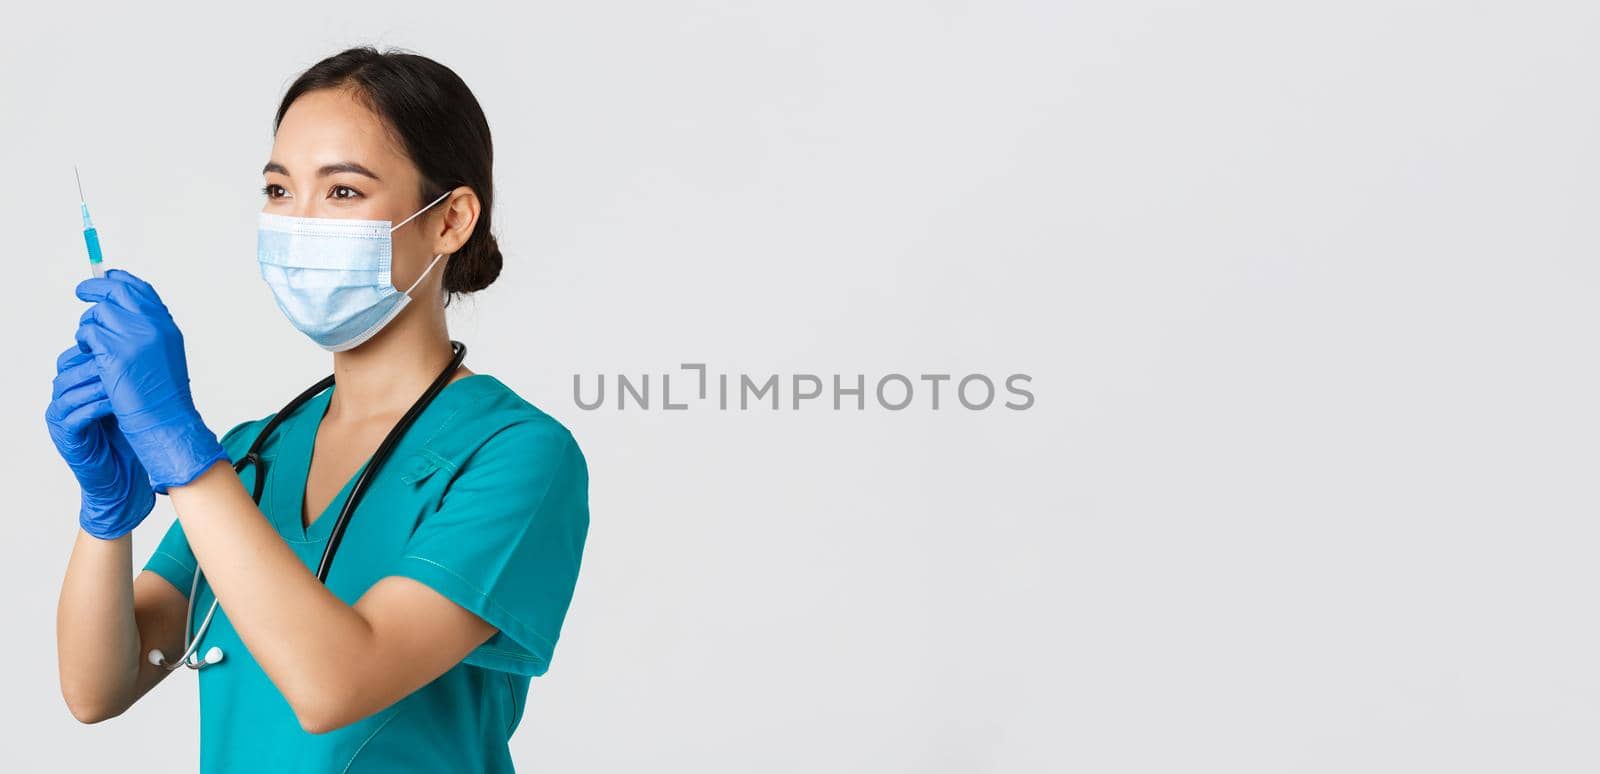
[97, 633]
[308, 641]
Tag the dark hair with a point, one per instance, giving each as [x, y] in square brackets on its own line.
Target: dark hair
[438, 121]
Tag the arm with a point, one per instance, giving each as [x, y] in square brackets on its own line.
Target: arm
[106, 620]
[334, 663]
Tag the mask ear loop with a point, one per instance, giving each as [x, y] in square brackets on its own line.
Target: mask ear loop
[424, 273]
[436, 257]
[397, 226]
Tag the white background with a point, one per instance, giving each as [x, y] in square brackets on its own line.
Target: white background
[1306, 292]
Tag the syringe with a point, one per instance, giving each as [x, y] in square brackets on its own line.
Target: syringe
[90, 236]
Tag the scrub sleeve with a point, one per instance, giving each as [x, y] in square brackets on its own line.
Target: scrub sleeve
[506, 541]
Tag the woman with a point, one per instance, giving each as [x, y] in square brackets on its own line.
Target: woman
[454, 573]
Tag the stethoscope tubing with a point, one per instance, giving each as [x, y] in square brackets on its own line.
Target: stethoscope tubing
[336, 536]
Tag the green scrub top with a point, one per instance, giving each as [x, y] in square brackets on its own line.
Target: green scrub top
[485, 500]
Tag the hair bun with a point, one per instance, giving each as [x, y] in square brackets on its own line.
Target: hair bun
[475, 266]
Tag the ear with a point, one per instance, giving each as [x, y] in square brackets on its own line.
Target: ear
[459, 217]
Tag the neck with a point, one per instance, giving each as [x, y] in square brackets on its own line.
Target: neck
[388, 372]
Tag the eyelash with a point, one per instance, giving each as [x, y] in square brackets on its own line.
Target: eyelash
[269, 190]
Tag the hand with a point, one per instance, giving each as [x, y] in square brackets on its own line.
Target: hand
[115, 490]
[138, 352]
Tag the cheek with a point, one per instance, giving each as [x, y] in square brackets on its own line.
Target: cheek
[411, 257]
[409, 244]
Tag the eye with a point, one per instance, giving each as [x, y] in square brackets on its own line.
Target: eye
[274, 191]
[344, 192]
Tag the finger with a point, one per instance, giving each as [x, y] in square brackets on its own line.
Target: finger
[80, 419]
[92, 337]
[107, 315]
[136, 285]
[86, 402]
[69, 357]
[108, 289]
[78, 374]
[74, 398]
[120, 287]
[95, 288]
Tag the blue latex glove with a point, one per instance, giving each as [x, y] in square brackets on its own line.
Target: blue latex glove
[115, 491]
[139, 353]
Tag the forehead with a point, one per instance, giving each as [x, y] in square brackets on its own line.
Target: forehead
[332, 125]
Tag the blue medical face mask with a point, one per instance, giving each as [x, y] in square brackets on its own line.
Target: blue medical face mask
[330, 276]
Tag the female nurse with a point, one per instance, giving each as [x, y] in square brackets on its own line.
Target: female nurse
[456, 569]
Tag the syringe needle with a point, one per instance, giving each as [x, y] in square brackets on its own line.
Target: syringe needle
[91, 237]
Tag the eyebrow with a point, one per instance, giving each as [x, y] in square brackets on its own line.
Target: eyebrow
[329, 169]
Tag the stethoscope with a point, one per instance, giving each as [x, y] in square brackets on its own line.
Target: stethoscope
[214, 655]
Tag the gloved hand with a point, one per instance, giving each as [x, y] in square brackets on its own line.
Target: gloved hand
[138, 351]
[115, 491]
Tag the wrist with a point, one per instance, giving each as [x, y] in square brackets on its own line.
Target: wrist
[108, 516]
[123, 537]
[176, 454]
[205, 475]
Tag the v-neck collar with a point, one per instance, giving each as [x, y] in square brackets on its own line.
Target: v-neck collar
[294, 467]
[288, 476]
